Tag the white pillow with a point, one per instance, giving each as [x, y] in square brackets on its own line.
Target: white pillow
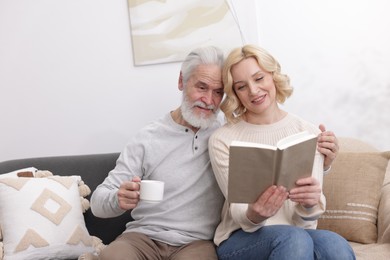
[31, 170]
[41, 218]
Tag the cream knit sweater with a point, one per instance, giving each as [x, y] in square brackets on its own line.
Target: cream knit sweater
[234, 215]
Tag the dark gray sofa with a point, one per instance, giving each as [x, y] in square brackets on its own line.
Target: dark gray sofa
[92, 169]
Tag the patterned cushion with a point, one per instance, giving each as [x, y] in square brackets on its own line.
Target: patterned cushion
[42, 218]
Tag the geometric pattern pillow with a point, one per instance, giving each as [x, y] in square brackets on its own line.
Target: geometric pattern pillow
[352, 191]
[42, 218]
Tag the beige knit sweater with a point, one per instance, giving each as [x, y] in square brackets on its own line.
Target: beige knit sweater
[233, 215]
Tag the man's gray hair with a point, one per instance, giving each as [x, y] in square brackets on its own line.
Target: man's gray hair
[201, 56]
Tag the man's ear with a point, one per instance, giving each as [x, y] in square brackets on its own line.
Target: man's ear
[180, 83]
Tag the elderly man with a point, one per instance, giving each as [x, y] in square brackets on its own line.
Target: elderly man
[174, 150]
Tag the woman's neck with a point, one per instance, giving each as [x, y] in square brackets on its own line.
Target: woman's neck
[265, 118]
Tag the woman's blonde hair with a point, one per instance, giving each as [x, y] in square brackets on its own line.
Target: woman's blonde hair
[231, 105]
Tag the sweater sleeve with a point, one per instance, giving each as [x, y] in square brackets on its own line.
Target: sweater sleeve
[104, 200]
[219, 157]
[307, 217]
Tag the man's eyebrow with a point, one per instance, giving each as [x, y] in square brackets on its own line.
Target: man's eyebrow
[201, 83]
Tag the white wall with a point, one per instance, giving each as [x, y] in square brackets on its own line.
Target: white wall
[338, 57]
[68, 84]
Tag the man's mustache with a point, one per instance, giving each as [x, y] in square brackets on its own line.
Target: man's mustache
[203, 105]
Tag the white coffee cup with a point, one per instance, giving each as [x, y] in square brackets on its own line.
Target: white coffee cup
[151, 190]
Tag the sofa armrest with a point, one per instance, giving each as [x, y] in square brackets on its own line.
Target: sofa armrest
[384, 210]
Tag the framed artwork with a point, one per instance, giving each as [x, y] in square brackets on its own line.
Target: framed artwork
[167, 30]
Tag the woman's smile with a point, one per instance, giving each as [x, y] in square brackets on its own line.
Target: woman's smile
[259, 99]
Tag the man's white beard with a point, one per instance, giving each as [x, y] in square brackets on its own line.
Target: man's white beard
[198, 121]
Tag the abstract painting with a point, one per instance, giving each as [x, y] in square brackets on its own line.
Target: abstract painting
[167, 30]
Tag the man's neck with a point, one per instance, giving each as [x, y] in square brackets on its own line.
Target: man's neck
[178, 118]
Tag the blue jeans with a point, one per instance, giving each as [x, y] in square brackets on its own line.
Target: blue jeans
[285, 242]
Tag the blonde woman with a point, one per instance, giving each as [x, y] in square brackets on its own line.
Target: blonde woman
[279, 224]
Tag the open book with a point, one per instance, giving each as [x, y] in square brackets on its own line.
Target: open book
[254, 167]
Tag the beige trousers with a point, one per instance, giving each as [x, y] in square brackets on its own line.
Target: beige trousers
[137, 246]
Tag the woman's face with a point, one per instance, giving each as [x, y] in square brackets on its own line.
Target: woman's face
[254, 87]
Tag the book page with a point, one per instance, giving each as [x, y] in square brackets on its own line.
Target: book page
[294, 139]
[295, 162]
[251, 144]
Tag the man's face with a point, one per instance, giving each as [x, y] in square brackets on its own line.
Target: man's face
[202, 95]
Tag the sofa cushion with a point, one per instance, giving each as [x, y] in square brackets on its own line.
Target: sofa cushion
[353, 190]
[42, 218]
